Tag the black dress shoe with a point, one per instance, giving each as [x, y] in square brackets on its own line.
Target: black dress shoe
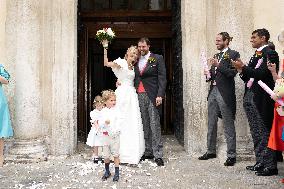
[96, 160]
[256, 167]
[159, 161]
[230, 161]
[146, 157]
[267, 172]
[207, 156]
[101, 159]
[115, 178]
[279, 156]
[106, 176]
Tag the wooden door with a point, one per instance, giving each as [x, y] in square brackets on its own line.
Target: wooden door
[82, 82]
[129, 25]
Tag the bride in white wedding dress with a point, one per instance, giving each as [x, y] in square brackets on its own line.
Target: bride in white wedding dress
[132, 144]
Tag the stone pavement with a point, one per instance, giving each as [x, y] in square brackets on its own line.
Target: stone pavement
[180, 171]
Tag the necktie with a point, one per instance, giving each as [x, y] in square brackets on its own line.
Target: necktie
[220, 56]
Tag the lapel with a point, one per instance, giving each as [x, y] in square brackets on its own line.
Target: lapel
[147, 65]
[221, 60]
[227, 52]
[136, 68]
[254, 59]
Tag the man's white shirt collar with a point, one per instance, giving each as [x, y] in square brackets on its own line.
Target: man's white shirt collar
[262, 47]
[146, 56]
[225, 50]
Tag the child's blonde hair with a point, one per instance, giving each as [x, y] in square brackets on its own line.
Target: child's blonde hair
[106, 94]
[98, 101]
[130, 50]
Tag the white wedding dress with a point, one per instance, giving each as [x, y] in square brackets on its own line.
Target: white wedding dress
[132, 144]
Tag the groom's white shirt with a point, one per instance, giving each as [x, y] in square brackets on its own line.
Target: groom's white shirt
[143, 61]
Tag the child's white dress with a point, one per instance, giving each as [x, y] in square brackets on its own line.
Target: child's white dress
[95, 136]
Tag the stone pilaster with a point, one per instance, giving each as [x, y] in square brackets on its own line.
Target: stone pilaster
[2, 31]
[64, 77]
[193, 24]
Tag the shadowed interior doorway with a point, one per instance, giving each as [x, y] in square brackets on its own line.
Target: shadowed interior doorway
[131, 23]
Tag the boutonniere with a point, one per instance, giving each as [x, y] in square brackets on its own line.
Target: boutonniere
[258, 54]
[151, 60]
[226, 56]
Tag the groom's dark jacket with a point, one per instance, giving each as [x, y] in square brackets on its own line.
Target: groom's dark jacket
[224, 75]
[153, 78]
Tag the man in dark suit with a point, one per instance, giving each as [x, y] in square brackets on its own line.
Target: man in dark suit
[150, 83]
[222, 99]
[258, 104]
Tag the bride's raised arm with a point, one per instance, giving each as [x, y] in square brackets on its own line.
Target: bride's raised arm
[107, 63]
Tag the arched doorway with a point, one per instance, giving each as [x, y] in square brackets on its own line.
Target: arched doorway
[130, 19]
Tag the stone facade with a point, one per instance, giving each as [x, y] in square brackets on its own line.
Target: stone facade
[38, 45]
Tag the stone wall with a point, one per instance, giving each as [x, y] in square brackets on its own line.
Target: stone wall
[38, 41]
[269, 14]
[2, 31]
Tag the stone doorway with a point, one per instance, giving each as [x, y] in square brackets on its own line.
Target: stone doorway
[130, 25]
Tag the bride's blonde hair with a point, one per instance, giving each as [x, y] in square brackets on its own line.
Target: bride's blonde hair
[131, 49]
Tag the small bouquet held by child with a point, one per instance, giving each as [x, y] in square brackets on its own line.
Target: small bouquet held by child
[276, 138]
[279, 94]
[105, 36]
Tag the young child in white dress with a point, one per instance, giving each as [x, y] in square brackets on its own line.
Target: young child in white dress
[111, 135]
[95, 137]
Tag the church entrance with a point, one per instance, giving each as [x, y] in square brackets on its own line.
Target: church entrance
[130, 19]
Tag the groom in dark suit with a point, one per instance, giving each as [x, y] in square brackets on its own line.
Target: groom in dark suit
[222, 99]
[150, 83]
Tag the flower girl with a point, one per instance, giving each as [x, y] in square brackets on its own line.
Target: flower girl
[95, 136]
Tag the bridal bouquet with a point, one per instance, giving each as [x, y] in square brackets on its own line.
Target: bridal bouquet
[105, 36]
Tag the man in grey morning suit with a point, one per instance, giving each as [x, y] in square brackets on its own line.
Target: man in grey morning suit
[222, 99]
[150, 83]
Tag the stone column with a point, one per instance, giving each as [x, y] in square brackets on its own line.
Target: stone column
[2, 31]
[193, 24]
[24, 52]
[64, 77]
